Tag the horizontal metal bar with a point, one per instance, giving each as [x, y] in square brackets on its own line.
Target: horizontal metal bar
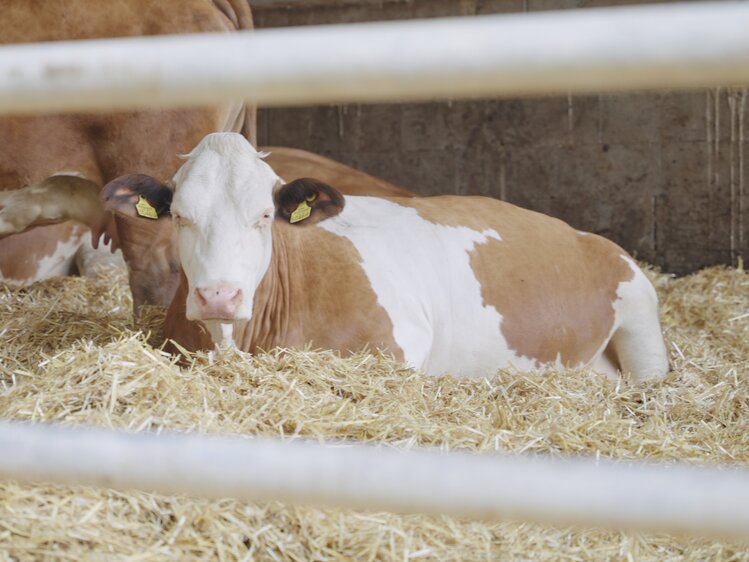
[701, 501]
[626, 48]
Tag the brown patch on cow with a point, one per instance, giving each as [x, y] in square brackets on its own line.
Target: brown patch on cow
[295, 163]
[317, 292]
[323, 200]
[553, 286]
[20, 254]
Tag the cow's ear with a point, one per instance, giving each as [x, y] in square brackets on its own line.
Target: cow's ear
[307, 201]
[137, 195]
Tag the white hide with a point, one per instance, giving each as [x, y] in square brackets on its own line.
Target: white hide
[638, 338]
[223, 209]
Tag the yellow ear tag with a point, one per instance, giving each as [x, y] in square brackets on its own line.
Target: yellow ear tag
[302, 212]
[145, 209]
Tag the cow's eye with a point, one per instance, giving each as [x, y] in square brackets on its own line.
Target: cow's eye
[265, 219]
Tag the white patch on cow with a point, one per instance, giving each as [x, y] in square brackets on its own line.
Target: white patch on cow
[636, 335]
[222, 208]
[227, 334]
[422, 276]
[60, 262]
[638, 338]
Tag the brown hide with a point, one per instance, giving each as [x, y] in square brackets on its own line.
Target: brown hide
[104, 146]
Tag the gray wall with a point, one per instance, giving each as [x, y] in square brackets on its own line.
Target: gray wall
[662, 174]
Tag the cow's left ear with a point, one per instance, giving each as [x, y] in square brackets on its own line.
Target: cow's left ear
[307, 201]
[137, 195]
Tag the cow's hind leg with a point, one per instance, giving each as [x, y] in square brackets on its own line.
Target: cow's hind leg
[638, 341]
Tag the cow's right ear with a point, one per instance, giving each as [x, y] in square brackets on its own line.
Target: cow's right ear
[137, 195]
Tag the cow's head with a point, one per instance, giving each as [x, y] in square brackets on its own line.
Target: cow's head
[223, 211]
[224, 201]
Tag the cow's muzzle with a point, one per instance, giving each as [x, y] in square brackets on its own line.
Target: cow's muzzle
[218, 302]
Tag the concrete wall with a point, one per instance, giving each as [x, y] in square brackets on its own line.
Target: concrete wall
[662, 174]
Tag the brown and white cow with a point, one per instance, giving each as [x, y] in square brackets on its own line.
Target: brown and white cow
[101, 147]
[448, 284]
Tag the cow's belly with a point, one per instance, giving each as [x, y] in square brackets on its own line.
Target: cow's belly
[44, 252]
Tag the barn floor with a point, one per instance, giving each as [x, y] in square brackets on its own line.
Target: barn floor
[69, 353]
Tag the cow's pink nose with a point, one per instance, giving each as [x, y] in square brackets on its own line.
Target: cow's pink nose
[218, 301]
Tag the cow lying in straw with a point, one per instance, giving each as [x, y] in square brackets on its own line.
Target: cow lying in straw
[448, 284]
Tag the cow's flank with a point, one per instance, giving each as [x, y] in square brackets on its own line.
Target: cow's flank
[555, 307]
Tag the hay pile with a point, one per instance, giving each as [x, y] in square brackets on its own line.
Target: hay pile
[70, 353]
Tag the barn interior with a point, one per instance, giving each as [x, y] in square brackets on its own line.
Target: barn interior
[660, 173]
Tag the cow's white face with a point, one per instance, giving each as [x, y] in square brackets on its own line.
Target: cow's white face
[223, 210]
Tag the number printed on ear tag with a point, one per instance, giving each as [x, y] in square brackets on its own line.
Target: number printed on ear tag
[145, 209]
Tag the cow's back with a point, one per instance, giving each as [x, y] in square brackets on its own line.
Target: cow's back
[553, 285]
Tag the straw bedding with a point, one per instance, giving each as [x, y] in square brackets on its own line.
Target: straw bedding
[71, 353]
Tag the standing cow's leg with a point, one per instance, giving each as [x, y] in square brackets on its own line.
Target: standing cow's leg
[638, 342]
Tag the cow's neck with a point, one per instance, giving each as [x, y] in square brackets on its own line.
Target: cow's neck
[274, 323]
